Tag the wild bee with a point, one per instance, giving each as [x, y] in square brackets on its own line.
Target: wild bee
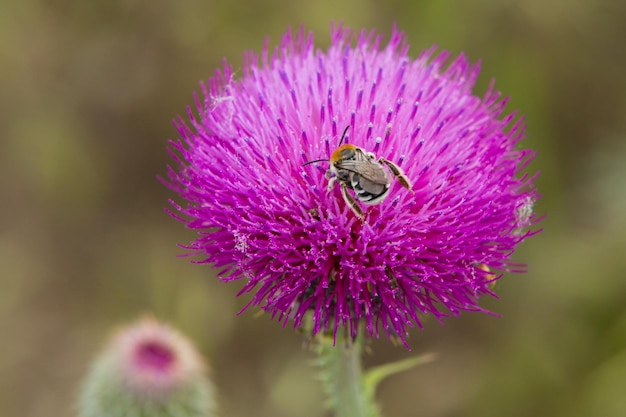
[358, 170]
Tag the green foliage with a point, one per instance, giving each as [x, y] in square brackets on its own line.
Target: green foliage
[342, 379]
[351, 392]
[375, 376]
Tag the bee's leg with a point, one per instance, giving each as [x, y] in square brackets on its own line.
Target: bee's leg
[331, 183]
[395, 169]
[356, 208]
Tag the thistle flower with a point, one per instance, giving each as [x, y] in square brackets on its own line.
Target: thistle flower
[148, 368]
[266, 219]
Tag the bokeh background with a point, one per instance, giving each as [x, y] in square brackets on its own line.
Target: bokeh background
[87, 94]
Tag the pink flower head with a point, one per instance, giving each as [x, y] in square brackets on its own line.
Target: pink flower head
[154, 360]
[265, 218]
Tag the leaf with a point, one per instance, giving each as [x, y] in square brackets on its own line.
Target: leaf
[375, 375]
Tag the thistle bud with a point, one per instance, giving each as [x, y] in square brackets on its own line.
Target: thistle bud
[147, 369]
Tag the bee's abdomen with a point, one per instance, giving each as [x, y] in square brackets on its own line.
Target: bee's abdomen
[367, 191]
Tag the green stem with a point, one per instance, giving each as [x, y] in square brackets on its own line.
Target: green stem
[342, 377]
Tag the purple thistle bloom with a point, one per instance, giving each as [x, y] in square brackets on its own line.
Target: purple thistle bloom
[264, 218]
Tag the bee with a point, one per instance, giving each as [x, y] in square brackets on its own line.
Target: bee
[355, 169]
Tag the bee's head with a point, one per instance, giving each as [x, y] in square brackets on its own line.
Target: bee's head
[343, 152]
[339, 153]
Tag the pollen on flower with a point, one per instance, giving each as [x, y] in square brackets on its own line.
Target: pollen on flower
[524, 214]
[301, 251]
[489, 277]
[217, 100]
[241, 242]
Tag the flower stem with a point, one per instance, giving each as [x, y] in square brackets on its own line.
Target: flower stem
[343, 379]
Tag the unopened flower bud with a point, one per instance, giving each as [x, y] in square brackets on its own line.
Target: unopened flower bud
[147, 369]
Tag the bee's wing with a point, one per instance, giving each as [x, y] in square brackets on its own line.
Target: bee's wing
[366, 169]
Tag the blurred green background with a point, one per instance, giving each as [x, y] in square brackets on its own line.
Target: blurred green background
[88, 92]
